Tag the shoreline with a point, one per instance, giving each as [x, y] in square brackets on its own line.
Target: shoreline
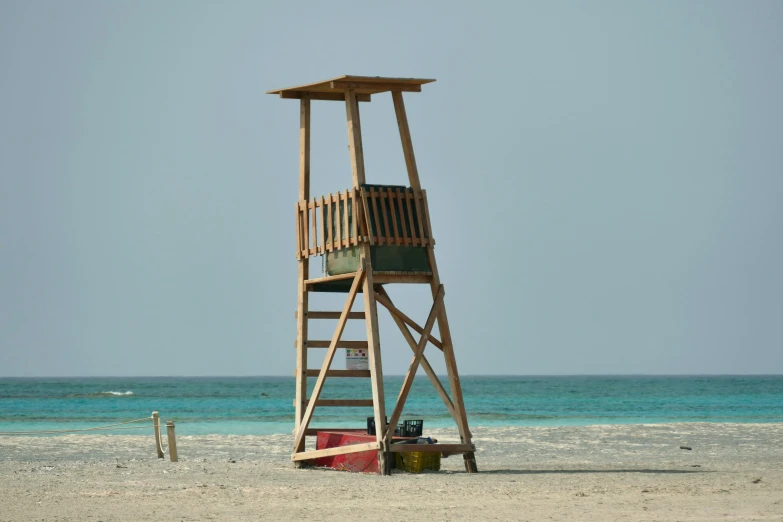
[260, 433]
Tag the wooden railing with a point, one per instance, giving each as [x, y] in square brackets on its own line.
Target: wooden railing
[378, 216]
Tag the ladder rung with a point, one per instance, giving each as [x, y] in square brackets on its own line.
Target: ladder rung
[330, 315]
[340, 344]
[340, 373]
[362, 403]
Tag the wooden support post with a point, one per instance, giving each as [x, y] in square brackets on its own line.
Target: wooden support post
[451, 366]
[172, 441]
[304, 271]
[376, 368]
[443, 322]
[407, 143]
[156, 427]
[354, 138]
[370, 306]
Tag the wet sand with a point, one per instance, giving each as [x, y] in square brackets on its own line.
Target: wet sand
[602, 473]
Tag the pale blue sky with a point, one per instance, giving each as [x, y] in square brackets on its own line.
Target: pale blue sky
[605, 181]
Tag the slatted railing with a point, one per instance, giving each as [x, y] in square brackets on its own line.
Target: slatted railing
[375, 215]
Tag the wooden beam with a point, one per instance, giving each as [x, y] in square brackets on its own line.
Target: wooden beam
[329, 279]
[383, 298]
[331, 315]
[339, 450]
[424, 362]
[400, 195]
[407, 142]
[409, 195]
[367, 222]
[329, 224]
[374, 86]
[304, 270]
[376, 216]
[376, 367]
[305, 227]
[319, 384]
[353, 196]
[417, 197]
[370, 308]
[426, 205]
[338, 222]
[381, 279]
[314, 250]
[311, 432]
[343, 403]
[304, 149]
[354, 138]
[432, 448]
[408, 382]
[322, 213]
[339, 373]
[385, 216]
[391, 196]
[347, 237]
[298, 234]
[451, 366]
[340, 344]
[324, 96]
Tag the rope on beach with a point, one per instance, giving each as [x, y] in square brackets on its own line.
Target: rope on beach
[98, 428]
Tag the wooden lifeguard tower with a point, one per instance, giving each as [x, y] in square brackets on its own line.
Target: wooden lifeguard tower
[370, 236]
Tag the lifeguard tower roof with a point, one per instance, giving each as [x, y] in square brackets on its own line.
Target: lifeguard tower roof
[362, 85]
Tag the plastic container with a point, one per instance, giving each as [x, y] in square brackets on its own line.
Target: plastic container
[418, 461]
[371, 426]
[411, 428]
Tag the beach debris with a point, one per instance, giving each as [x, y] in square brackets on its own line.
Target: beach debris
[696, 465]
[580, 494]
[645, 491]
[757, 481]
[232, 461]
[686, 448]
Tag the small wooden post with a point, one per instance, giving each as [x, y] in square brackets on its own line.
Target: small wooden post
[172, 441]
[158, 441]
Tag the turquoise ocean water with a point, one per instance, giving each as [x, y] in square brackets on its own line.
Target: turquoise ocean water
[263, 405]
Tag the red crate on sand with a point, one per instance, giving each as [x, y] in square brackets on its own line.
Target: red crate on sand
[359, 462]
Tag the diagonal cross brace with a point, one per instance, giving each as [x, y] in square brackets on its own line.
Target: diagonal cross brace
[338, 332]
[386, 301]
[408, 382]
[383, 298]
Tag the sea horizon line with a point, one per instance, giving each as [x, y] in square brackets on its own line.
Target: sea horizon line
[531, 375]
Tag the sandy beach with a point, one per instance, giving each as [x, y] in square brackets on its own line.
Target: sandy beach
[620, 472]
